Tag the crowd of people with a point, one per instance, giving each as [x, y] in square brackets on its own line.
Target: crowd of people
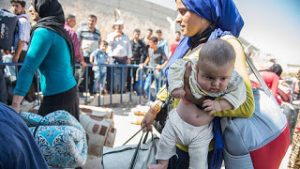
[205, 73]
[102, 65]
[109, 56]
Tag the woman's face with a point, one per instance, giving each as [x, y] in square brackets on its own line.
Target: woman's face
[190, 23]
[33, 14]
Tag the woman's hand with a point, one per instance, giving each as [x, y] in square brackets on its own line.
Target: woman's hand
[16, 107]
[148, 121]
[188, 94]
[16, 103]
[151, 115]
[178, 93]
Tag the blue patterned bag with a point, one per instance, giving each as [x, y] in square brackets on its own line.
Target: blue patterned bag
[60, 136]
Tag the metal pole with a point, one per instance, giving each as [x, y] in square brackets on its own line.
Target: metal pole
[140, 87]
[122, 81]
[86, 82]
[131, 82]
[149, 89]
[111, 83]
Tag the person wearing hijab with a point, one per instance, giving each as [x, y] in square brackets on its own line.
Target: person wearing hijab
[18, 148]
[271, 76]
[202, 21]
[51, 53]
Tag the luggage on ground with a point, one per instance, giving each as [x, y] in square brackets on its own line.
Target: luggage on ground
[99, 125]
[60, 137]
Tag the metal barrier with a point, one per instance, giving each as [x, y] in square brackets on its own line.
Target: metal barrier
[16, 71]
[123, 80]
[147, 73]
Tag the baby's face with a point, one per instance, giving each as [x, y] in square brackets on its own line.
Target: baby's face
[212, 78]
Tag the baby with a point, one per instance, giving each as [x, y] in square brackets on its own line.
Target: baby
[215, 86]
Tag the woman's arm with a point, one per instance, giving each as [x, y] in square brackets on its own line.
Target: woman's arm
[40, 44]
[16, 103]
[275, 84]
[155, 108]
[245, 110]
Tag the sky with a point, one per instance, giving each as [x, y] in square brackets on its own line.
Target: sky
[273, 26]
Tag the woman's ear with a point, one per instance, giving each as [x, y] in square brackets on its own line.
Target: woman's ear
[205, 22]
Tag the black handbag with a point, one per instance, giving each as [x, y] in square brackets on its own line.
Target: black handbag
[162, 115]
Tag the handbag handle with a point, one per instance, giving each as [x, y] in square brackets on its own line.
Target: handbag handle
[258, 76]
[256, 73]
[135, 154]
[143, 140]
[260, 79]
[133, 135]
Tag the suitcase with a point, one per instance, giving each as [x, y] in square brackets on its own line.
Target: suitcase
[8, 23]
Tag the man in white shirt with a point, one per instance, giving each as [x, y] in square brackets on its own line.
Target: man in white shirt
[21, 40]
[22, 36]
[120, 52]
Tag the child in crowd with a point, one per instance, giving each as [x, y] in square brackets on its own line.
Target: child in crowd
[216, 87]
[98, 58]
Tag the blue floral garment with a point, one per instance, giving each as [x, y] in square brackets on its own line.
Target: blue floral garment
[60, 136]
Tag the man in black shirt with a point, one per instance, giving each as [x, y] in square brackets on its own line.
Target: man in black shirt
[139, 54]
[157, 59]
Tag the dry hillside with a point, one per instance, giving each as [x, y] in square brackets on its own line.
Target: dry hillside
[135, 13]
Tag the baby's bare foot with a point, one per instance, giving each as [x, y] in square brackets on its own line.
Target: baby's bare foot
[157, 166]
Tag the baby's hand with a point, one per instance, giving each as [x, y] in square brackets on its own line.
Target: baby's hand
[157, 166]
[211, 106]
[178, 93]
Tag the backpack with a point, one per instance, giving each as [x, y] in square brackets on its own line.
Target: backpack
[8, 24]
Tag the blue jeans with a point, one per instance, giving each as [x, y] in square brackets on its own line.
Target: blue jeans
[158, 84]
[100, 79]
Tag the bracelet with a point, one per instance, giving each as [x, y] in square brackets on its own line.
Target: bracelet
[155, 107]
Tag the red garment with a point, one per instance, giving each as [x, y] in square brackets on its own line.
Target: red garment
[272, 81]
[270, 155]
[286, 97]
[76, 43]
